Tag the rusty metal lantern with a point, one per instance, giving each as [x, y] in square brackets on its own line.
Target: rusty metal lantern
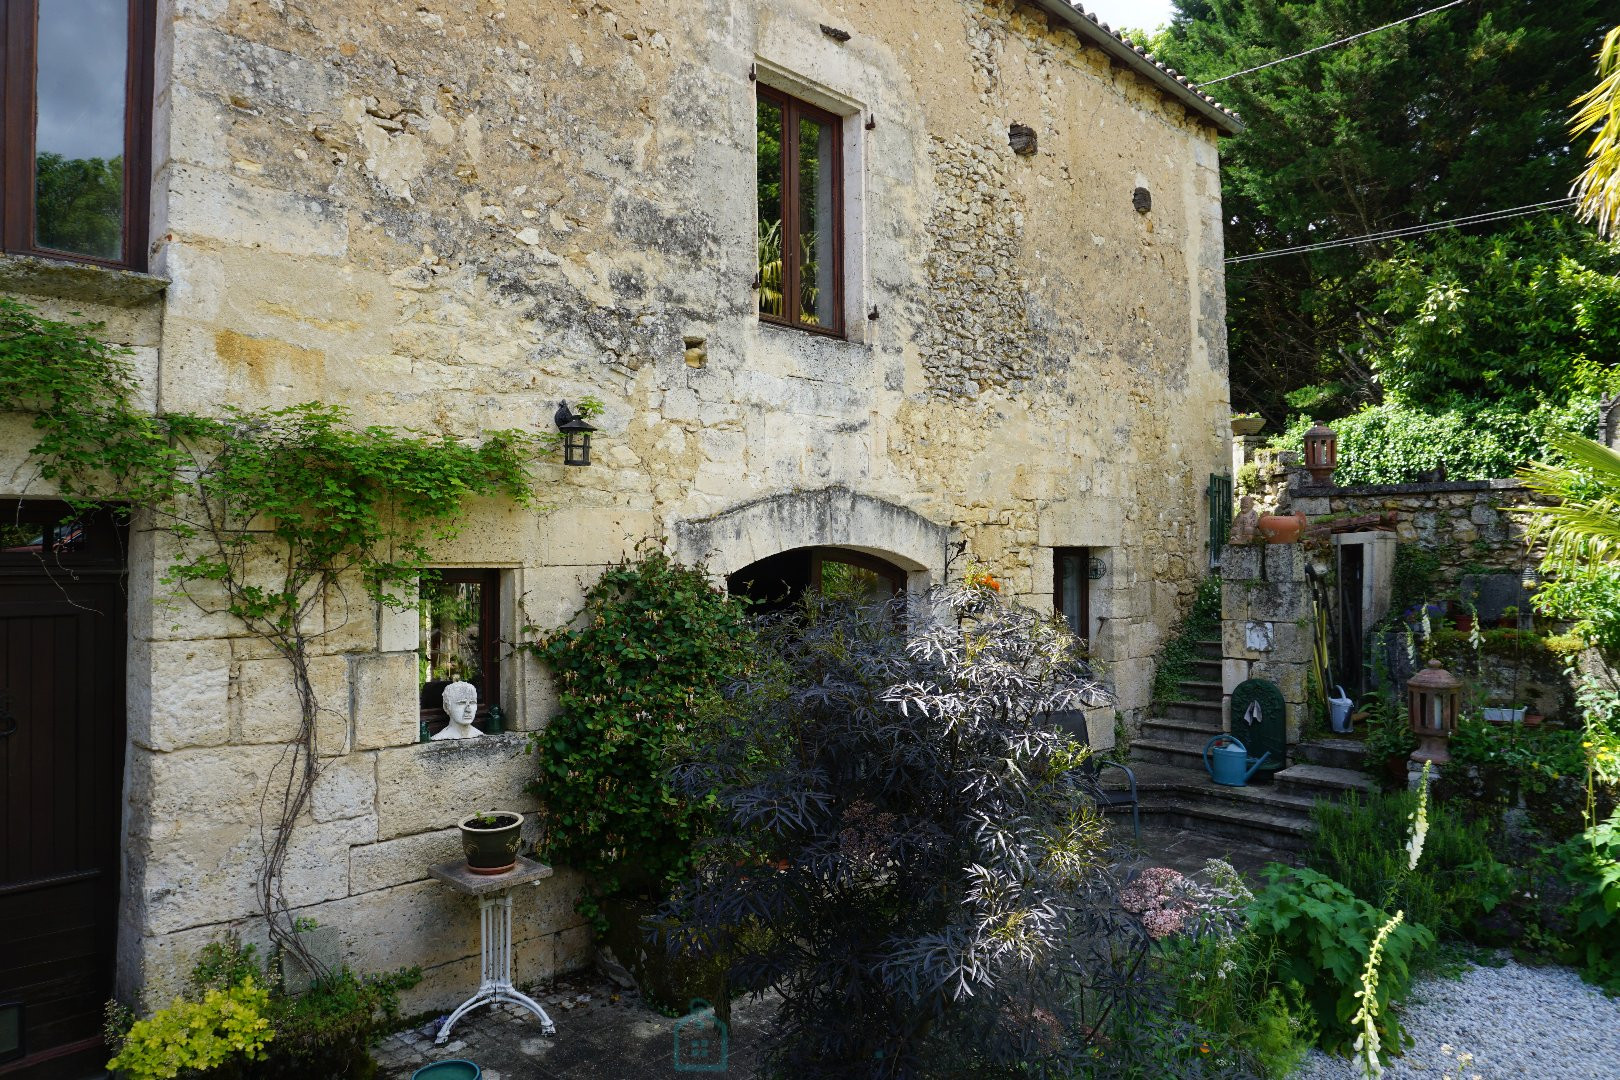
[1432, 698]
[1321, 452]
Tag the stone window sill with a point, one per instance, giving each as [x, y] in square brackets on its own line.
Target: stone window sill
[30, 275]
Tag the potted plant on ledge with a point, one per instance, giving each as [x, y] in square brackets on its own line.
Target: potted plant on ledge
[1247, 423]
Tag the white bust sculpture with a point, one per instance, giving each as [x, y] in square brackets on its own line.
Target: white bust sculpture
[460, 703]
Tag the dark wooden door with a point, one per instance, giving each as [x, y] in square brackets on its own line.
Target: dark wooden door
[61, 777]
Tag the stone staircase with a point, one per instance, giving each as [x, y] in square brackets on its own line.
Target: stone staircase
[1175, 789]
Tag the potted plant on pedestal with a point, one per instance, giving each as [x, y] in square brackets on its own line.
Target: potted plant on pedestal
[490, 840]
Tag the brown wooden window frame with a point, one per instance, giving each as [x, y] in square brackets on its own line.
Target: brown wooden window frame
[1082, 559]
[792, 110]
[489, 641]
[19, 25]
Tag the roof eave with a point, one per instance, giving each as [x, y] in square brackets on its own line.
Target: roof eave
[1178, 87]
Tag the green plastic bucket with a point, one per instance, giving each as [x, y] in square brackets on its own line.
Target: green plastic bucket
[448, 1070]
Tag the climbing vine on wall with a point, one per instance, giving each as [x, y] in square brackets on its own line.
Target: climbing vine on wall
[275, 515]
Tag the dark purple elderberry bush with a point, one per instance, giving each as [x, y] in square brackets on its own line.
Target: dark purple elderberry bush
[903, 847]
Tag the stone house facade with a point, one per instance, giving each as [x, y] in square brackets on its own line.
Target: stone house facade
[451, 214]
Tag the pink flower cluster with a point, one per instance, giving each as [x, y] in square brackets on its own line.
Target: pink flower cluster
[1159, 897]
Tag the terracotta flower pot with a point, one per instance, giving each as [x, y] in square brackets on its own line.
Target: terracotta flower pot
[1281, 529]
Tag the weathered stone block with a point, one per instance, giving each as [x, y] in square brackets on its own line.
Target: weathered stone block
[430, 786]
[385, 697]
[345, 787]
[207, 872]
[265, 706]
[179, 693]
[401, 860]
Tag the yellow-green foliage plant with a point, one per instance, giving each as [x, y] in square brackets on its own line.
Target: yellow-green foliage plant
[225, 1028]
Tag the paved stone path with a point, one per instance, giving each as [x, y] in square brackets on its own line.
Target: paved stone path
[607, 1033]
[603, 1033]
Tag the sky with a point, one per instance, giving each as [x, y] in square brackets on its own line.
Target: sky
[1137, 14]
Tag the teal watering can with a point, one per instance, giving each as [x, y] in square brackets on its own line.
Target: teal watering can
[1228, 762]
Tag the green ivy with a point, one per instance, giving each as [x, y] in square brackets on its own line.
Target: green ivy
[1201, 623]
[649, 652]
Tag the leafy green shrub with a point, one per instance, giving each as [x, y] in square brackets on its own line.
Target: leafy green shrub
[1322, 933]
[1592, 864]
[1394, 444]
[1360, 844]
[655, 643]
[218, 1033]
[232, 1023]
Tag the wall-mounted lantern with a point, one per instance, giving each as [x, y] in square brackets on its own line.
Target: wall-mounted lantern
[1432, 697]
[1096, 568]
[1321, 453]
[576, 435]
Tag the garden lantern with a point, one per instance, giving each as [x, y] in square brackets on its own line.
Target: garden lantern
[1431, 703]
[1321, 453]
[576, 435]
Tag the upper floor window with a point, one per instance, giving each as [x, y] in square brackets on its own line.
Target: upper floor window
[76, 79]
[800, 196]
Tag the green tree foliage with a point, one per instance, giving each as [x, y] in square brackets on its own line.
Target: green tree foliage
[1456, 113]
[1517, 317]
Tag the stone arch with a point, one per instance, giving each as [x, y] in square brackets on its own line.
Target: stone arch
[833, 517]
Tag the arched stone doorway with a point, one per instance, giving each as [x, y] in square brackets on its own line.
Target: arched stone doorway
[778, 581]
[789, 525]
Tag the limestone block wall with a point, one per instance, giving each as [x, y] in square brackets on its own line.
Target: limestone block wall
[451, 214]
[1266, 626]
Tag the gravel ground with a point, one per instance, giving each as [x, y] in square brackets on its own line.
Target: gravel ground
[1516, 1021]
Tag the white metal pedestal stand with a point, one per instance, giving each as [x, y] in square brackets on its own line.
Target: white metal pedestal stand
[494, 892]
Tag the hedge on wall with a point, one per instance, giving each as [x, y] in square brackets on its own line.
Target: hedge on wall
[1394, 444]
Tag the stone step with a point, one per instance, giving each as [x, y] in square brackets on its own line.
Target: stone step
[1207, 669]
[1193, 733]
[1334, 753]
[1322, 781]
[1281, 832]
[1200, 689]
[1184, 784]
[1205, 711]
[1209, 649]
[1258, 813]
[1176, 754]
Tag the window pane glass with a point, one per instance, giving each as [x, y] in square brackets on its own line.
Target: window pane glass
[816, 252]
[79, 127]
[771, 298]
[452, 645]
[1071, 580]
